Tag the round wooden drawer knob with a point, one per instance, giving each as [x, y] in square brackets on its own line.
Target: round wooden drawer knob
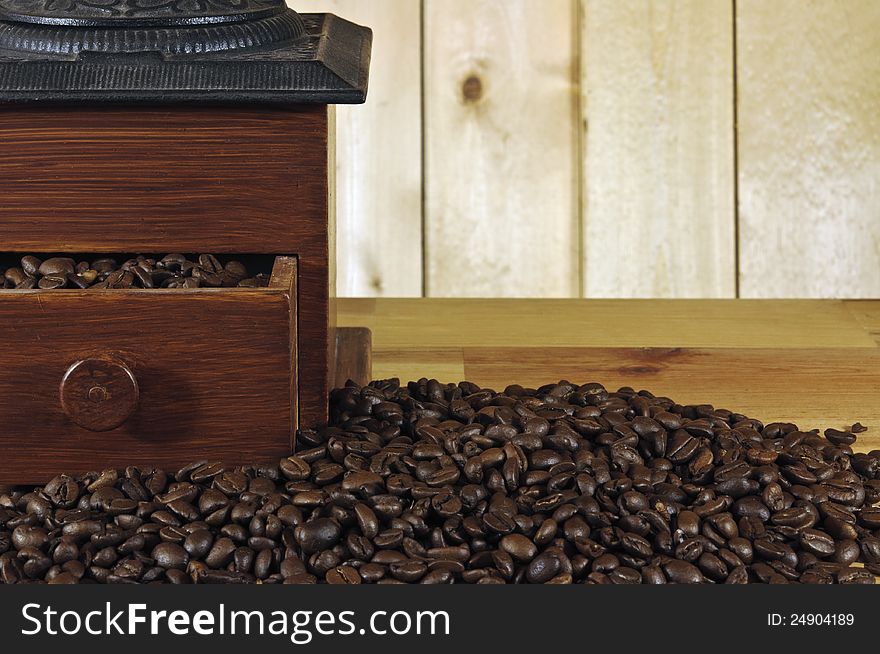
[99, 394]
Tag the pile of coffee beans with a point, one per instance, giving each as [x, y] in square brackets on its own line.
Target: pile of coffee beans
[172, 271]
[432, 483]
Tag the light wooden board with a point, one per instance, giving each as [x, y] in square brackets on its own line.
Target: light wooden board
[379, 156]
[659, 148]
[411, 364]
[615, 323]
[812, 388]
[815, 363]
[867, 314]
[501, 139]
[809, 147]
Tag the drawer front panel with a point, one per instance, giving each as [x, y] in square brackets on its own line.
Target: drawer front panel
[188, 178]
[212, 377]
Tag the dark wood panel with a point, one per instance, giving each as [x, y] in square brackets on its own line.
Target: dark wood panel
[285, 278]
[354, 356]
[228, 179]
[190, 178]
[317, 306]
[213, 369]
[316, 342]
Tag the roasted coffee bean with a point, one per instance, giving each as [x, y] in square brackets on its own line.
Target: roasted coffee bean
[870, 549]
[682, 572]
[817, 542]
[689, 550]
[799, 517]
[50, 282]
[773, 497]
[295, 468]
[689, 523]
[636, 545]
[681, 447]
[362, 483]
[519, 547]
[840, 529]
[57, 266]
[343, 575]
[498, 522]
[409, 570]
[543, 568]
[198, 543]
[67, 550]
[209, 263]
[622, 575]
[738, 575]
[840, 437]
[846, 552]
[142, 277]
[134, 544]
[432, 483]
[170, 555]
[653, 574]
[712, 567]
[172, 271]
[29, 537]
[221, 553]
[81, 530]
[15, 276]
[367, 520]
[751, 506]
[30, 265]
[235, 271]
[855, 576]
[319, 534]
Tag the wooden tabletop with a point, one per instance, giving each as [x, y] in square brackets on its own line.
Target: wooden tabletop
[815, 363]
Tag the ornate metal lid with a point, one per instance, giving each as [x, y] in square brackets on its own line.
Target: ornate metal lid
[137, 13]
[178, 50]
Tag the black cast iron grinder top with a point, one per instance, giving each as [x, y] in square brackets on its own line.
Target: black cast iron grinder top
[178, 50]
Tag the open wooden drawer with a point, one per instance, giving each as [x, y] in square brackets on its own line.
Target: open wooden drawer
[99, 379]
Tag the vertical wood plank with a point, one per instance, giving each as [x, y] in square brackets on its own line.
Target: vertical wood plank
[379, 156]
[657, 79]
[809, 148]
[501, 140]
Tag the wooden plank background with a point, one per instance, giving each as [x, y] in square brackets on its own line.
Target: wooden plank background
[809, 175]
[379, 156]
[613, 149]
[658, 169]
[501, 148]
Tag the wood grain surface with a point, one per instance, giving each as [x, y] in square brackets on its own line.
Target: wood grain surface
[614, 323]
[129, 179]
[191, 178]
[659, 217]
[633, 102]
[816, 363]
[867, 315]
[501, 148]
[285, 278]
[354, 354]
[810, 387]
[809, 148]
[379, 181]
[213, 368]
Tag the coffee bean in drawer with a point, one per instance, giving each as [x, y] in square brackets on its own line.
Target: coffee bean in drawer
[139, 272]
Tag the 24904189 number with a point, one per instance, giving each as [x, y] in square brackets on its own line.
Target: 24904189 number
[811, 620]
